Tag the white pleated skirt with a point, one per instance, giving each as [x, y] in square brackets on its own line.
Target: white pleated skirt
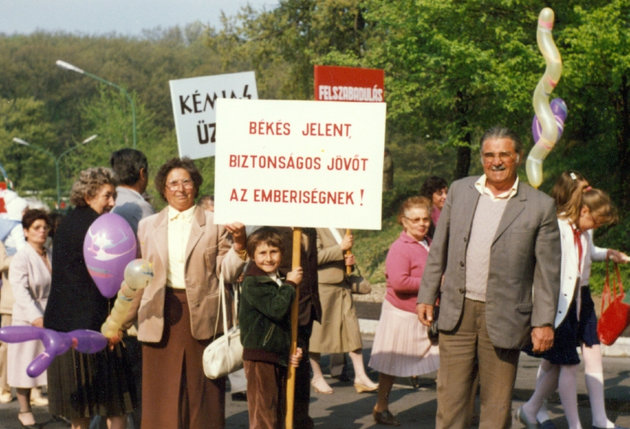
[401, 345]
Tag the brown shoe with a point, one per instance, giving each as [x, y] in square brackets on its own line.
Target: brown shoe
[385, 418]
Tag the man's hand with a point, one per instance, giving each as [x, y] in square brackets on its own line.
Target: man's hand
[425, 314]
[542, 338]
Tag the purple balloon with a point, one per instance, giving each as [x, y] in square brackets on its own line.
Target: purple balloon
[18, 334]
[55, 343]
[39, 364]
[559, 110]
[88, 341]
[109, 246]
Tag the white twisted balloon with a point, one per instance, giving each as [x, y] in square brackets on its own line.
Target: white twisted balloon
[138, 274]
[547, 83]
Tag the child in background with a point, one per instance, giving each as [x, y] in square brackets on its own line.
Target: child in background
[264, 319]
[575, 322]
[568, 191]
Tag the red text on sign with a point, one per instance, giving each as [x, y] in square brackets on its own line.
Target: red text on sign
[265, 128]
[316, 129]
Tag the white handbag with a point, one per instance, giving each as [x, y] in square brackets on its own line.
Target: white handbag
[225, 354]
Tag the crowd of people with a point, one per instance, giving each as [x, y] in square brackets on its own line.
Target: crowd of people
[507, 266]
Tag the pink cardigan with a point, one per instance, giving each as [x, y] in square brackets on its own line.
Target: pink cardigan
[403, 270]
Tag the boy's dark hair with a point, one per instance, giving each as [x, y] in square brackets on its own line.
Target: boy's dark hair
[127, 164]
[265, 235]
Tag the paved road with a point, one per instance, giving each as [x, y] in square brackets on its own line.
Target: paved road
[415, 408]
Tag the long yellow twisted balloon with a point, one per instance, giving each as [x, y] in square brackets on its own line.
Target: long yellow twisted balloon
[138, 274]
[547, 83]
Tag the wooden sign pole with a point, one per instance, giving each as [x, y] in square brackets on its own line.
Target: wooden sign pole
[296, 262]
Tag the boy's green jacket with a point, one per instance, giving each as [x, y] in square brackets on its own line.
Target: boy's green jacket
[264, 317]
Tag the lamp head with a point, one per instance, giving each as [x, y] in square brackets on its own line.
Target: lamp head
[67, 66]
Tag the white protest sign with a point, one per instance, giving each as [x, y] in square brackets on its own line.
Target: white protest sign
[299, 163]
[194, 108]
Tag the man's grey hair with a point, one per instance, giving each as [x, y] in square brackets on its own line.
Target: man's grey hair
[499, 132]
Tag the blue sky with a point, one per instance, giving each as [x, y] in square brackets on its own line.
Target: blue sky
[125, 17]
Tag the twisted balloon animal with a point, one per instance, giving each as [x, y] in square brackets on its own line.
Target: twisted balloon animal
[138, 273]
[547, 83]
[55, 343]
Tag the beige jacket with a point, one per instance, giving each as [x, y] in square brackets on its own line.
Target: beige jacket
[208, 251]
[331, 265]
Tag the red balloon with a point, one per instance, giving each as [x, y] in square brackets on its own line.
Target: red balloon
[109, 246]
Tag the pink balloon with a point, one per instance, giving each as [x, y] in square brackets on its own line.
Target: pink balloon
[559, 110]
[109, 246]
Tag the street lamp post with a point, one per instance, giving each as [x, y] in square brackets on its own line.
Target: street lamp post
[67, 66]
[56, 159]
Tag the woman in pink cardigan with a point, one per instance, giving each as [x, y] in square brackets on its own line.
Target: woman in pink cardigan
[401, 344]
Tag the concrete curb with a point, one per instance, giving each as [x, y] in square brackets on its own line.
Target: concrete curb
[621, 347]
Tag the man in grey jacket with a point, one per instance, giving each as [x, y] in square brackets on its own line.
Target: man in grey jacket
[132, 174]
[494, 264]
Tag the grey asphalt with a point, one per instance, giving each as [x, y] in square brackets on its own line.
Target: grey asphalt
[414, 408]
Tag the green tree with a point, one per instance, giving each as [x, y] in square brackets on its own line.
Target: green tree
[30, 170]
[597, 87]
[454, 68]
[108, 116]
[283, 45]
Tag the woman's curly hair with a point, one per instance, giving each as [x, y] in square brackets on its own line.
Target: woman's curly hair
[88, 184]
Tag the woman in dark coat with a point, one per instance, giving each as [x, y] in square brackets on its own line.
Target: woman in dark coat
[81, 386]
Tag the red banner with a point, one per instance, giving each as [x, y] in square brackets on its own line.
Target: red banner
[336, 83]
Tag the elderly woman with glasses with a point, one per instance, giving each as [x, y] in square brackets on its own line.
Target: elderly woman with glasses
[402, 347]
[178, 310]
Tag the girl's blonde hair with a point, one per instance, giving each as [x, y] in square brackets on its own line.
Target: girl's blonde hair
[599, 204]
[568, 189]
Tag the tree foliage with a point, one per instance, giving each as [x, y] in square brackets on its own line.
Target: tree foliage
[453, 68]
[31, 169]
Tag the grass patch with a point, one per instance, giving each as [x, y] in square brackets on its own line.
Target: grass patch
[371, 247]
